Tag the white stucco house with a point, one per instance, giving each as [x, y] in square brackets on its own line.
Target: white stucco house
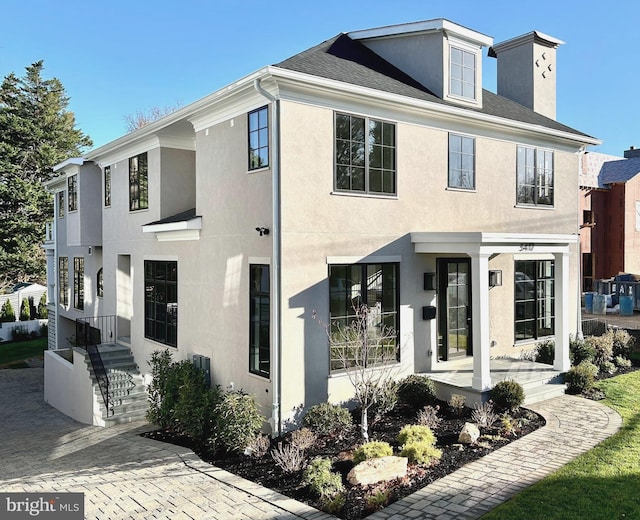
[372, 168]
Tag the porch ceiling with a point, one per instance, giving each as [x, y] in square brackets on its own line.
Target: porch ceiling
[489, 243]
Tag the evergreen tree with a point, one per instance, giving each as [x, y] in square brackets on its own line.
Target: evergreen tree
[43, 311]
[7, 314]
[25, 310]
[36, 132]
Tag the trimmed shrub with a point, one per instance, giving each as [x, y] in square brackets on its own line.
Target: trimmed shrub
[238, 420]
[603, 348]
[581, 377]
[372, 450]
[545, 352]
[417, 391]
[21, 333]
[321, 480]
[507, 395]
[326, 418]
[413, 433]
[7, 314]
[622, 362]
[623, 342]
[421, 452]
[580, 350]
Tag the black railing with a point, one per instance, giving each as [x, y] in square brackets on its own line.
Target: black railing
[90, 333]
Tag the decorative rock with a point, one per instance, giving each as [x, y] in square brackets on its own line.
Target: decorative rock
[469, 434]
[378, 470]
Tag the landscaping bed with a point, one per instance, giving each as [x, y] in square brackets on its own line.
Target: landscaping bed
[361, 500]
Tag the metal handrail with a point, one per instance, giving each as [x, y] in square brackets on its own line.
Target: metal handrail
[89, 335]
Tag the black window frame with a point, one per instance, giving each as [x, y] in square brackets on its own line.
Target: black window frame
[161, 301]
[534, 177]
[258, 138]
[139, 182]
[61, 204]
[259, 320]
[72, 192]
[107, 186]
[458, 166]
[345, 300]
[63, 281]
[365, 161]
[78, 283]
[534, 299]
[99, 283]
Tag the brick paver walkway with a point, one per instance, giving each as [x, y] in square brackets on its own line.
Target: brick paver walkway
[126, 476]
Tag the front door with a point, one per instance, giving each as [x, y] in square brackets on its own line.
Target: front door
[454, 308]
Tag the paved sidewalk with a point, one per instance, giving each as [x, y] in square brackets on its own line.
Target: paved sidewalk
[126, 476]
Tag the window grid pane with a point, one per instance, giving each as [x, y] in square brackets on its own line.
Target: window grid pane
[258, 138]
[107, 186]
[364, 161]
[78, 283]
[63, 280]
[534, 299]
[138, 182]
[373, 285]
[462, 70]
[461, 162]
[534, 176]
[259, 320]
[72, 189]
[161, 301]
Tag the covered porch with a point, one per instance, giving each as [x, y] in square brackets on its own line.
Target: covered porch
[539, 381]
[476, 373]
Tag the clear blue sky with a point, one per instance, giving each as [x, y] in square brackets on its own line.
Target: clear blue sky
[115, 56]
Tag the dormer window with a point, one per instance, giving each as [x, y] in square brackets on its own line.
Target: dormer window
[462, 79]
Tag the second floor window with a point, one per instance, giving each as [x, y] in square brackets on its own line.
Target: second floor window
[462, 162]
[100, 283]
[72, 189]
[365, 155]
[462, 80]
[138, 182]
[107, 186]
[61, 204]
[259, 138]
[78, 283]
[63, 281]
[534, 180]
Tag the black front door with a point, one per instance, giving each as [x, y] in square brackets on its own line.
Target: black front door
[454, 308]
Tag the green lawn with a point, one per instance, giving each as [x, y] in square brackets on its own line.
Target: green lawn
[12, 353]
[602, 484]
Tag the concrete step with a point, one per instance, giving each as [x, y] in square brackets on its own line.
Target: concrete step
[543, 392]
[128, 417]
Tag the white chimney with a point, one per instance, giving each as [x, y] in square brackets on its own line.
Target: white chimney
[527, 71]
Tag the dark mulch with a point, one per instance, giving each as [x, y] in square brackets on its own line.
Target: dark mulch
[339, 448]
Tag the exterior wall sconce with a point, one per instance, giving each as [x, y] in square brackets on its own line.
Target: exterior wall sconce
[495, 278]
[262, 231]
[429, 281]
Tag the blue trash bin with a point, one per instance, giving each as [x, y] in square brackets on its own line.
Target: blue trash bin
[588, 303]
[599, 304]
[626, 305]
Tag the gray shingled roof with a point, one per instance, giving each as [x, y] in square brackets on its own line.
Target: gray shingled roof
[349, 61]
[618, 171]
[180, 217]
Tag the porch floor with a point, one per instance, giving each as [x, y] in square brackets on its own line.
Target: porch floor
[539, 381]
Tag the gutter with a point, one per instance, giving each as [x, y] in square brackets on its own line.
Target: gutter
[276, 412]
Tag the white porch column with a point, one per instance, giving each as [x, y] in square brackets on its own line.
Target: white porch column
[480, 313]
[562, 302]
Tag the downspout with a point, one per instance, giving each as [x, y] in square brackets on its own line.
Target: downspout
[276, 413]
[579, 335]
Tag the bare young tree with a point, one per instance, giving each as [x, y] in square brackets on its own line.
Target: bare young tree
[143, 117]
[367, 350]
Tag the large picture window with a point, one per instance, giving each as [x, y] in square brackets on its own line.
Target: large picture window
[259, 138]
[161, 302]
[353, 286]
[534, 176]
[259, 320]
[63, 281]
[534, 299]
[138, 182]
[78, 282]
[462, 162]
[365, 155]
